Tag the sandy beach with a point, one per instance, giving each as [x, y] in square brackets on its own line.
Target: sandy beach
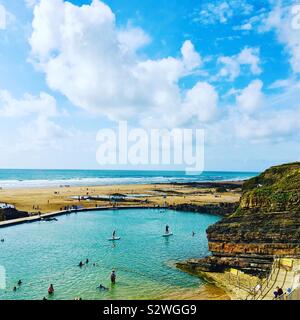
[47, 200]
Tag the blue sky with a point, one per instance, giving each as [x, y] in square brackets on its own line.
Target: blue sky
[68, 69]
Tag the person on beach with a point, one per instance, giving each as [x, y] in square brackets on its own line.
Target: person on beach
[113, 277]
[258, 289]
[280, 291]
[51, 289]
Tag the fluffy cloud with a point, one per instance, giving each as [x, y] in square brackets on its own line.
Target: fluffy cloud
[2, 17]
[39, 130]
[266, 118]
[202, 100]
[41, 133]
[251, 97]
[231, 68]
[44, 104]
[273, 126]
[95, 64]
[285, 22]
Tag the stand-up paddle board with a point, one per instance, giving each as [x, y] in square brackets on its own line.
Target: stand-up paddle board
[115, 238]
[167, 234]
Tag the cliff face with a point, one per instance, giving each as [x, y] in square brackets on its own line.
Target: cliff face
[266, 223]
[222, 208]
[12, 213]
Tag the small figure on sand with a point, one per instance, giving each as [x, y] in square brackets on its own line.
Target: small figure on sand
[278, 292]
[113, 277]
[51, 289]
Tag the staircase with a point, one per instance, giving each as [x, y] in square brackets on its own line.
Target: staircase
[280, 276]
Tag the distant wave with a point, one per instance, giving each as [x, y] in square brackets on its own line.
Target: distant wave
[43, 183]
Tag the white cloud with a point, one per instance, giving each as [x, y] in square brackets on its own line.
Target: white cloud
[221, 11]
[39, 129]
[191, 58]
[43, 104]
[232, 65]
[131, 39]
[2, 17]
[95, 64]
[280, 19]
[273, 126]
[31, 3]
[41, 133]
[251, 97]
[202, 100]
[261, 118]
[247, 26]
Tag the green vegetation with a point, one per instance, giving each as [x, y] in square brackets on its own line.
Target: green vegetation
[276, 189]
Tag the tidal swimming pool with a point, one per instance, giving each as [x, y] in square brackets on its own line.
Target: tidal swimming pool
[41, 253]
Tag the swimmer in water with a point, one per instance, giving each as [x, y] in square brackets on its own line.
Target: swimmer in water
[101, 287]
[80, 264]
[51, 289]
[19, 282]
[114, 234]
[193, 233]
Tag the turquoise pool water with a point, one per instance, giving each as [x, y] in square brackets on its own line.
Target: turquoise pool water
[48, 252]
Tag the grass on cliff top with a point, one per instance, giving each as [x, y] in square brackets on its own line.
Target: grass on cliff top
[284, 177]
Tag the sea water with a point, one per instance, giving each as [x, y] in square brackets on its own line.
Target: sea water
[18, 178]
[41, 253]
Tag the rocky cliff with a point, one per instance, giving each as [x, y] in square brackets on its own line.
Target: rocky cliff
[266, 223]
[222, 208]
[12, 213]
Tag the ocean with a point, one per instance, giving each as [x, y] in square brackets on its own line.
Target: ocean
[26, 178]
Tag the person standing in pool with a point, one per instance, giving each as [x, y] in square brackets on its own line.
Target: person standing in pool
[51, 289]
[113, 277]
